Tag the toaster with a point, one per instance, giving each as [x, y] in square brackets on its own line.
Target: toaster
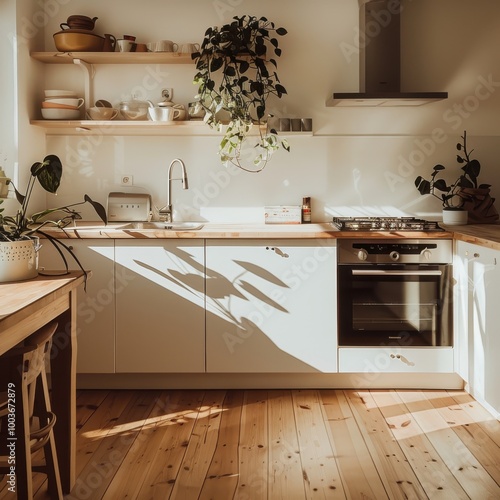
[127, 207]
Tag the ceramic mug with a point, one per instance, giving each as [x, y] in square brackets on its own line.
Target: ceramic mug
[163, 46]
[189, 48]
[124, 45]
[163, 114]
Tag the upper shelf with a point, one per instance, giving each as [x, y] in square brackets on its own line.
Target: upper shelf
[131, 127]
[113, 57]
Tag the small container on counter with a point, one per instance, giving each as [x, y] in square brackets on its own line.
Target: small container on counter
[306, 210]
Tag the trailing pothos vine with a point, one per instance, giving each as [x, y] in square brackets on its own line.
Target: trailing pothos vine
[234, 82]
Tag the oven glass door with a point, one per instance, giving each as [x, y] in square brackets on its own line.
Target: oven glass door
[406, 305]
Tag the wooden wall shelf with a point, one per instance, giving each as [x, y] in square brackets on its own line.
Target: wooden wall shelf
[113, 57]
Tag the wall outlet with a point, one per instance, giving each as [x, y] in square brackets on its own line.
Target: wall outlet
[127, 180]
[167, 94]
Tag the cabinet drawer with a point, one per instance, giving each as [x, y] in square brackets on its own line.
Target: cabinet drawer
[393, 360]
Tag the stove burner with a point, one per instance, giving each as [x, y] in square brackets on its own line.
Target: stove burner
[384, 224]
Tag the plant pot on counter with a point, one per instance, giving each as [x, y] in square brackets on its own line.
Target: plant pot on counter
[19, 259]
[455, 216]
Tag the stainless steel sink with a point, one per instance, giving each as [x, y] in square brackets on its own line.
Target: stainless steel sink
[171, 226]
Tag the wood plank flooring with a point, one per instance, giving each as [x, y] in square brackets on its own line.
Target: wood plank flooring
[283, 444]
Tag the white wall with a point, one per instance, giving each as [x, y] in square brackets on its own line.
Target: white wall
[365, 158]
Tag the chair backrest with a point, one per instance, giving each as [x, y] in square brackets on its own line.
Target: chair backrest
[30, 358]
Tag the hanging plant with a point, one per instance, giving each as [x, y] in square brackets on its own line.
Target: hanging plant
[234, 83]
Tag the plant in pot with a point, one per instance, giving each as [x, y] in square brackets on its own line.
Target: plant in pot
[234, 83]
[465, 199]
[19, 233]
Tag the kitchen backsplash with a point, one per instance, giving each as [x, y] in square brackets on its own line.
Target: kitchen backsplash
[359, 160]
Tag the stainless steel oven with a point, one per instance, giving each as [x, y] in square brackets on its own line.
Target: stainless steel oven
[395, 292]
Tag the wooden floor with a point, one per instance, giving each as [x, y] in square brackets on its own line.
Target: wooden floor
[284, 444]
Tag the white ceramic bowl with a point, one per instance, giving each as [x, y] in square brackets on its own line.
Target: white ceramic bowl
[49, 94]
[68, 101]
[97, 113]
[60, 114]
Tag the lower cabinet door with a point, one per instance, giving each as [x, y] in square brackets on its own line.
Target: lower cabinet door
[160, 315]
[95, 312]
[271, 306]
[393, 360]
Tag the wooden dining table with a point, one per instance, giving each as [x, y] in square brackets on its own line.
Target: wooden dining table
[26, 306]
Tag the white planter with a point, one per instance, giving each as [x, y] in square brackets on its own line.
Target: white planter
[19, 260]
[455, 217]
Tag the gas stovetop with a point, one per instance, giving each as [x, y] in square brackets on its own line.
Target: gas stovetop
[384, 224]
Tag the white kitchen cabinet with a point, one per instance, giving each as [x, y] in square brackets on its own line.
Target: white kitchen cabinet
[271, 306]
[95, 313]
[478, 292]
[160, 314]
[369, 360]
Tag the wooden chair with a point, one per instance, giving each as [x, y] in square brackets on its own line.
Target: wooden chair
[25, 415]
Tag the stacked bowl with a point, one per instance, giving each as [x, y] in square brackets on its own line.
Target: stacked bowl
[77, 35]
[61, 105]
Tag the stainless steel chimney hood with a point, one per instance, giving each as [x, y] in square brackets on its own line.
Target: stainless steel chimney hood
[380, 61]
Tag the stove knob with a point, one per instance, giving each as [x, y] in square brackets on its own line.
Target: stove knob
[362, 254]
[426, 254]
[394, 255]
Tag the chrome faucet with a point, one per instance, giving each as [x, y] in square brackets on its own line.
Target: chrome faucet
[165, 213]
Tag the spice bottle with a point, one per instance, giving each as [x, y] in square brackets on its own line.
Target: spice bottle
[306, 210]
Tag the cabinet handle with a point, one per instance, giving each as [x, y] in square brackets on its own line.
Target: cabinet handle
[278, 251]
[476, 255]
[397, 356]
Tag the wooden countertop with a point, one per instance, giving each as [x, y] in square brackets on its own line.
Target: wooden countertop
[487, 235]
[211, 231]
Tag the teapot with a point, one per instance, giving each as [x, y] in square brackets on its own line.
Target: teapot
[79, 22]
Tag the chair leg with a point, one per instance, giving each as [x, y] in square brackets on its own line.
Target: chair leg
[21, 445]
[49, 450]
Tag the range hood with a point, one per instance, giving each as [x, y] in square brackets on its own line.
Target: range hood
[380, 61]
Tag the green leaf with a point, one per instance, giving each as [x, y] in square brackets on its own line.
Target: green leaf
[472, 169]
[230, 71]
[216, 63]
[465, 183]
[460, 159]
[438, 167]
[441, 185]
[422, 185]
[100, 210]
[257, 87]
[244, 65]
[260, 50]
[49, 173]
[280, 90]
[281, 31]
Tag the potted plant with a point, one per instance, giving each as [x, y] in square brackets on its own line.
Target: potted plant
[465, 198]
[234, 83]
[19, 233]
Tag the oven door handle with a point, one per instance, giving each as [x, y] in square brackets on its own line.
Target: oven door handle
[381, 272]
